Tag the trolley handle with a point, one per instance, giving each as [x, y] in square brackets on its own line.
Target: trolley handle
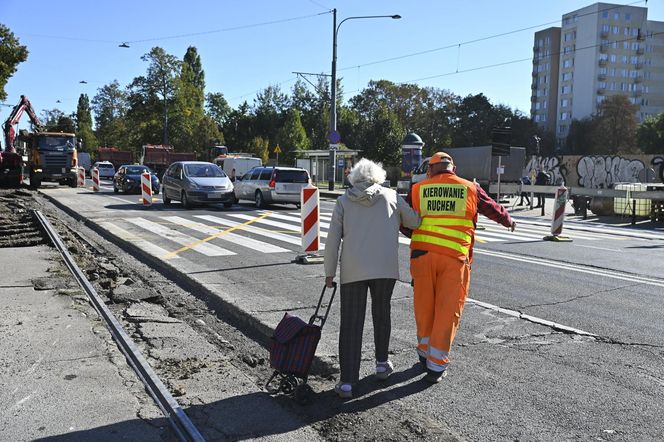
[316, 315]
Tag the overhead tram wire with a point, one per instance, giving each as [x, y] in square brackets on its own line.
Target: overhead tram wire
[477, 40]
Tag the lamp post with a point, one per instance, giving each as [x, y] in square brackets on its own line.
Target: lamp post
[333, 97]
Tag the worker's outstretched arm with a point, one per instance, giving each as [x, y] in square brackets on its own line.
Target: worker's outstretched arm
[492, 210]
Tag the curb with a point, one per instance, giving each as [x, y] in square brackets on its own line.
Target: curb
[243, 321]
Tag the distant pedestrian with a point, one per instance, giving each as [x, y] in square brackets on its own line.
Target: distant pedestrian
[441, 252]
[365, 226]
[526, 182]
[542, 179]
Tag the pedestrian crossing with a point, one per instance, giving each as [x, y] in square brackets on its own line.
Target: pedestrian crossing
[230, 233]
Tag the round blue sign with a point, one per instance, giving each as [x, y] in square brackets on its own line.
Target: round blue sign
[335, 137]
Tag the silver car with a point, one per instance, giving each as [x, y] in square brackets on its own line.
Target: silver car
[192, 182]
[266, 185]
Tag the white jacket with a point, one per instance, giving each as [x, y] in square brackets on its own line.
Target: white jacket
[365, 224]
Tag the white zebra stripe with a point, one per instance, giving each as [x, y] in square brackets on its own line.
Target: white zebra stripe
[180, 238]
[229, 236]
[253, 229]
[141, 243]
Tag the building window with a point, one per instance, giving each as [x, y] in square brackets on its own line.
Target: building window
[566, 90]
[604, 57]
[616, 30]
[544, 105]
[635, 46]
[616, 16]
[625, 45]
[603, 71]
[612, 72]
[634, 59]
[568, 49]
[537, 118]
[600, 98]
[602, 84]
[628, 16]
[612, 58]
[626, 31]
[605, 14]
[568, 63]
[568, 76]
[569, 36]
[635, 32]
[606, 28]
[564, 102]
[624, 59]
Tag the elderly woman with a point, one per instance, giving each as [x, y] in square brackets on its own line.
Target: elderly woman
[365, 224]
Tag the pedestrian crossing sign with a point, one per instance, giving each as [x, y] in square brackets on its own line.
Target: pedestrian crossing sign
[277, 149]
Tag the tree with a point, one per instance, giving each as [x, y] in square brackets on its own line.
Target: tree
[580, 140]
[238, 129]
[475, 119]
[84, 131]
[11, 55]
[615, 130]
[160, 80]
[55, 120]
[269, 112]
[650, 135]
[260, 147]
[292, 136]
[381, 135]
[217, 108]
[110, 107]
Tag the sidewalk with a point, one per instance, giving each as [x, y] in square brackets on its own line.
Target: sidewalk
[61, 375]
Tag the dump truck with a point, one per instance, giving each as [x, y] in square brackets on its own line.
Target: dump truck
[115, 156]
[40, 155]
[159, 156]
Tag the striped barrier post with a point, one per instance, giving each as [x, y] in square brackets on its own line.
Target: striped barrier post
[146, 189]
[558, 217]
[81, 177]
[310, 215]
[95, 179]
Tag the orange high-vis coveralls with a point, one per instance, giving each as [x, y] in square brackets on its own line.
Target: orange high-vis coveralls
[440, 261]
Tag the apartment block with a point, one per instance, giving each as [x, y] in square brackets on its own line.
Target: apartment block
[599, 51]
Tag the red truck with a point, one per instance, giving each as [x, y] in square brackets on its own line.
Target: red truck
[115, 156]
[159, 156]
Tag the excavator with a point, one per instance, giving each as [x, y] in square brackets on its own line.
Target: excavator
[41, 155]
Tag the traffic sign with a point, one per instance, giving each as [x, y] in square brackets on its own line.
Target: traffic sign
[334, 137]
[277, 149]
[334, 146]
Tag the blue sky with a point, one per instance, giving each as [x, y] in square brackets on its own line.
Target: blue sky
[248, 45]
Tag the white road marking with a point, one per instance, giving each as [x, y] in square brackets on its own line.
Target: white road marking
[506, 236]
[614, 274]
[180, 238]
[253, 229]
[598, 248]
[229, 236]
[139, 242]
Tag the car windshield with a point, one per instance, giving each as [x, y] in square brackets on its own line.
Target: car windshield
[57, 143]
[292, 176]
[136, 170]
[203, 170]
[104, 166]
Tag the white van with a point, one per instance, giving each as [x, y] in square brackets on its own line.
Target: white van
[237, 166]
[84, 161]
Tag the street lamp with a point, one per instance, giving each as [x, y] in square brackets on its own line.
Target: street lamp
[333, 98]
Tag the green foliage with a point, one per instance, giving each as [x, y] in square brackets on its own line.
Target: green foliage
[110, 106]
[615, 130]
[217, 108]
[84, 130]
[650, 135]
[12, 53]
[55, 120]
[292, 136]
[260, 147]
[580, 138]
[380, 136]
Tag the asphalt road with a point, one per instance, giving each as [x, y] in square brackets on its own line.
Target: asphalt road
[512, 376]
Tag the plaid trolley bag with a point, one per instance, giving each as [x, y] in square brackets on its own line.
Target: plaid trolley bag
[294, 344]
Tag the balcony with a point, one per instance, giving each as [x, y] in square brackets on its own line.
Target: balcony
[536, 49]
[601, 91]
[535, 73]
[604, 34]
[638, 66]
[601, 77]
[533, 98]
[640, 36]
[638, 79]
[638, 93]
[603, 49]
[639, 51]
[602, 62]
[533, 86]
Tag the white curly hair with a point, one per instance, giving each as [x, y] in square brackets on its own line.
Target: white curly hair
[367, 170]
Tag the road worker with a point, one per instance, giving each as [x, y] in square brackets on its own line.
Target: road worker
[441, 252]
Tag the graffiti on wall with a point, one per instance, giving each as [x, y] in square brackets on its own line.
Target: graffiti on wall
[659, 161]
[601, 172]
[550, 164]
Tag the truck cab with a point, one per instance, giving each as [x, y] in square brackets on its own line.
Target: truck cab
[52, 157]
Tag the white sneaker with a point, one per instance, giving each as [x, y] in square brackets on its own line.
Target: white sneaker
[384, 370]
[344, 391]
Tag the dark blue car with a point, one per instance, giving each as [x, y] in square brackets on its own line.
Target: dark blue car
[128, 179]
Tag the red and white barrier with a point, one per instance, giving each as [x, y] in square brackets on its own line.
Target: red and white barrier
[95, 179]
[559, 204]
[146, 189]
[309, 198]
[81, 177]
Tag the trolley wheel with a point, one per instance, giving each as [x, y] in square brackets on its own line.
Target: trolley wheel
[303, 394]
[288, 384]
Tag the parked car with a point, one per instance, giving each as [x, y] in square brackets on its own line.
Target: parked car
[128, 179]
[265, 185]
[106, 169]
[193, 182]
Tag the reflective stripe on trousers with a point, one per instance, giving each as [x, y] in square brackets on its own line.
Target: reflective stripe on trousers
[440, 290]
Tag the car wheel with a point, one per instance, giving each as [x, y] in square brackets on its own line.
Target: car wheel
[228, 205]
[260, 201]
[73, 183]
[115, 188]
[184, 200]
[156, 191]
[236, 200]
[166, 199]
